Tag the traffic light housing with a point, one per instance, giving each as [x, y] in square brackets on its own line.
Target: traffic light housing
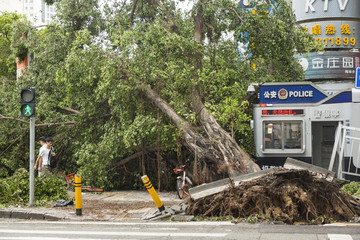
[28, 102]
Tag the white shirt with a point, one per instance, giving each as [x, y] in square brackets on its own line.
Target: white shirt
[45, 155]
[41, 148]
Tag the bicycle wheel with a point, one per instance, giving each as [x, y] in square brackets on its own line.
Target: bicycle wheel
[179, 191]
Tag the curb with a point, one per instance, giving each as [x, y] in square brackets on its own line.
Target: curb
[28, 215]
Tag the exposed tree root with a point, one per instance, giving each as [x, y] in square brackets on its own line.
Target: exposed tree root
[290, 196]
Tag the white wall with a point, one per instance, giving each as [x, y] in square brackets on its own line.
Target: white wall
[35, 10]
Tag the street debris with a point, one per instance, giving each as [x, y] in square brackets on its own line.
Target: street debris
[175, 210]
[63, 203]
[287, 195]
[299, 193]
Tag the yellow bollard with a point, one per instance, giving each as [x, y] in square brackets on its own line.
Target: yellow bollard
[78, 204]
[153, 193]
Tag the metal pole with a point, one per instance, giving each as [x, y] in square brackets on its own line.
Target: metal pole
[32, 160]
[335, 147]
[153, 193]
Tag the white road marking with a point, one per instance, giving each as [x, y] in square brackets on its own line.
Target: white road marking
[91, 233]
[53, 238]
[134, 223]
[339, 237]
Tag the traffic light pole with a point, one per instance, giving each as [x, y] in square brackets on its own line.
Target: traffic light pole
[32, 160]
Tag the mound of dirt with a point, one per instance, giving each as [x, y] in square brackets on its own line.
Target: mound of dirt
[290, 196]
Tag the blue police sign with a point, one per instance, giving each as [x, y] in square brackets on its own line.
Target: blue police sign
[357, 78]
[290, 93]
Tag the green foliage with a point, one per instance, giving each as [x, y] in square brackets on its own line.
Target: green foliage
[89, 68]
[272, 39]
[323, 220]
[15, 189]
[352, 188]
[217, 219]
[7, 58]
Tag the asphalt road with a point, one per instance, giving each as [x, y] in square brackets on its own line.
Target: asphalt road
[41, 230]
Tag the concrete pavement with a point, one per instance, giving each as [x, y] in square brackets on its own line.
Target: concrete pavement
[106, 206]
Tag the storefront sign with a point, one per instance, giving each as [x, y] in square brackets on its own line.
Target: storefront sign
[335, 33]
[329, 65]
[296, 93]
[334, 23]
[306, 10]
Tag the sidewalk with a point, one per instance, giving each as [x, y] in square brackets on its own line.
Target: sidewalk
[106, 206]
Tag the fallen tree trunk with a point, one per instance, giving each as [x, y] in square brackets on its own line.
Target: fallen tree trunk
[218, 152]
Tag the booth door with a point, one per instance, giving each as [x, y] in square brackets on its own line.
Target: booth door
[323, 138]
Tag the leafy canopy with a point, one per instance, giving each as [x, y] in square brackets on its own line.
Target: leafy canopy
[89, 68]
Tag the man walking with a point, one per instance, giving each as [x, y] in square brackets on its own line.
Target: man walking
[37, 166]
[44, 161]
[52, 153]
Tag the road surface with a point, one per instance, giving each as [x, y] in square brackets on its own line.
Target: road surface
[49, 230]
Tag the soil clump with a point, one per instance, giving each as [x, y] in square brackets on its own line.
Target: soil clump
[290, 196]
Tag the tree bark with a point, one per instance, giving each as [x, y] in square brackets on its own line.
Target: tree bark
[132, 12]
[235, 160]
[216, 151]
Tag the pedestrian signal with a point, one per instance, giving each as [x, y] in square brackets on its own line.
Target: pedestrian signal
[28, 102]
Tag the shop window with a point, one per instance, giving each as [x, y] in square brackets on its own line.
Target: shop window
[283, 135]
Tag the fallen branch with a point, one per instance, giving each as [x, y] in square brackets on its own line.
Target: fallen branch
[55, 124]
[39, 125]
[16, 119]
[128, 159]
[69, 110]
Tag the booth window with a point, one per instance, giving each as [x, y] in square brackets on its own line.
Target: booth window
[283, 135]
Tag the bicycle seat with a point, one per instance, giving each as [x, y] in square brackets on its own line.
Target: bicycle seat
[179, 169]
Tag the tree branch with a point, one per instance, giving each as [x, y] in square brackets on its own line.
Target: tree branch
[41, 124]
[167, 13]
[134, 156]
[237, 14]
[55, 124]
[11, 118]
[132, 12]
[69, 110]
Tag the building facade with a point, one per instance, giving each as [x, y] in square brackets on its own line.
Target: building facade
[36, 11]
[300, 119]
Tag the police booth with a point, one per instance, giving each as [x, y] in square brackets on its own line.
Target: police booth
[299, 120]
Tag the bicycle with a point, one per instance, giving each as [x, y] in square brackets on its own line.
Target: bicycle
[183, 183]
[70, 181]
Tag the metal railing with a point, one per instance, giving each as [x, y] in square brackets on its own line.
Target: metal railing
[348, 138]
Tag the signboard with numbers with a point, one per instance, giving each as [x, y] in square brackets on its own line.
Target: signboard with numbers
[335, 33]
[335, 23]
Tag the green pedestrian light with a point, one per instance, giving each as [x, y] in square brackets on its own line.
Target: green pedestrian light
[28, 102]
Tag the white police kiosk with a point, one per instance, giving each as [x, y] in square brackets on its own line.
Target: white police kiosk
[299, 120]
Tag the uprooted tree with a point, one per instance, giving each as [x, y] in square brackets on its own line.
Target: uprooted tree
[109, 73]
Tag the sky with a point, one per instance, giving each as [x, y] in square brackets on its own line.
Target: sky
[184, 5]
